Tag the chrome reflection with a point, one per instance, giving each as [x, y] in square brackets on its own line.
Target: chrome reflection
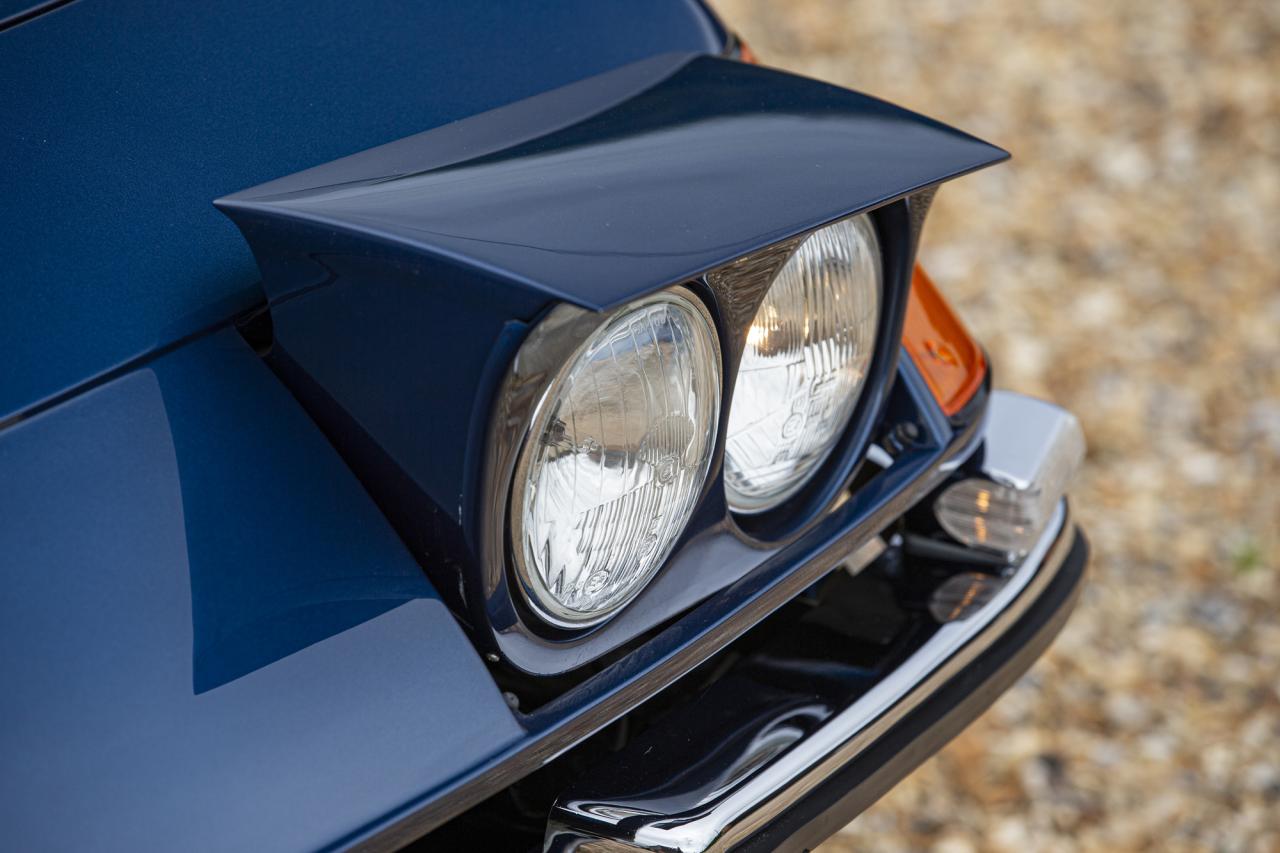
[641, 821]
[740, 754]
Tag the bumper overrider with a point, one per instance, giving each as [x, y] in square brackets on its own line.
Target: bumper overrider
[734, 772]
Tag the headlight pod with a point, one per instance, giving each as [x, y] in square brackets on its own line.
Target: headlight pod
[806, 358]
[617, 454]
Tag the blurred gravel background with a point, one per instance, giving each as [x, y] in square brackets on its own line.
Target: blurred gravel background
[1123, 265]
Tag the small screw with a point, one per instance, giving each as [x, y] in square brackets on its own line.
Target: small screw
[513, 701]
[901, 437]
[492, 657]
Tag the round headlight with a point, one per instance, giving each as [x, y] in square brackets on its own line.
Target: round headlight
[616, 457]
[805, 362]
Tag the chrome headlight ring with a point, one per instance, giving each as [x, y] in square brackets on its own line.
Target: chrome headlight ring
[520, 418]
[615, 456]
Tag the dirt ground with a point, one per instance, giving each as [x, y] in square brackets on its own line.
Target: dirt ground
[1122, 265]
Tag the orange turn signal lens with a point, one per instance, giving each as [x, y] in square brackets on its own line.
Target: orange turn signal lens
[740, 50]
[952, 362]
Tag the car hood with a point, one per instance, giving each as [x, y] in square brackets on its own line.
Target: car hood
[122, 124]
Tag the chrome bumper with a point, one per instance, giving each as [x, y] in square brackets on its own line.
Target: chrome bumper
[775, 772]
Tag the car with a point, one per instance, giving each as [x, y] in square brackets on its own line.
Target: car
[487, 426]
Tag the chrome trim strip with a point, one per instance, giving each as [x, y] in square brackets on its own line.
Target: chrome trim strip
[788, 779]
[606, 696]
[1025, 435]
[946, 653]
[733, 817]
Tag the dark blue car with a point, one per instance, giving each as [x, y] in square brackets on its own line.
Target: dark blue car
[486, 426]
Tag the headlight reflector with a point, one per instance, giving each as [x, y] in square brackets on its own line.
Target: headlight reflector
[804, 365]
[617, 455]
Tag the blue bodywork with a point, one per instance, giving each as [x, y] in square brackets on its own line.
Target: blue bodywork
[442, 248]
[529, 197]
[121, 123]
[213, 637]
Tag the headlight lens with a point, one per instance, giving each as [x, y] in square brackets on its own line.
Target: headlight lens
[617, 455]
[805, 362]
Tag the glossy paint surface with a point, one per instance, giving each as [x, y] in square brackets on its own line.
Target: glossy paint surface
[212, 636]
[122, 123]
[637, 179]
[719, 547]
[440, 249]
[719, 619]
[12, 12]
[212, 639]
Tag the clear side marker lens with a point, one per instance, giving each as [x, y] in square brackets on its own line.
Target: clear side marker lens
[1032, 451]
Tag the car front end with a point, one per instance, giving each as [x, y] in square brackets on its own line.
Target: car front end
[592, 471]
